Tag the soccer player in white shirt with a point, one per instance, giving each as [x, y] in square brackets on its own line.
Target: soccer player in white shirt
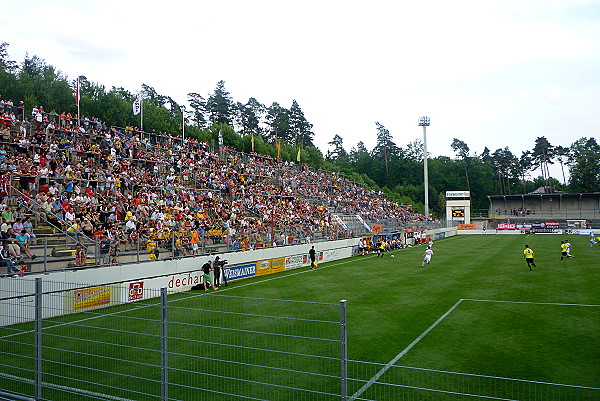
[568, 245]
[427, 256]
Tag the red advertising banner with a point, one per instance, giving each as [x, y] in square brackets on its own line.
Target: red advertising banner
[136, 291]
[506, 226]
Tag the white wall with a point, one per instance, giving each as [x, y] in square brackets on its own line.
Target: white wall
[129, 283]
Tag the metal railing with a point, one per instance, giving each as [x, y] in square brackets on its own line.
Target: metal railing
[111, 342]
[375, 381]
[62, 340]
[56, 344]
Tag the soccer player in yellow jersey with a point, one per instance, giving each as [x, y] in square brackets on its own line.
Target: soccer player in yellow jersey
[528, 253]
[382, 248]
[564, 250]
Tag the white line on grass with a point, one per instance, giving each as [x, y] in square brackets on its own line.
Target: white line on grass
[175, 300]
[139, 307]
[60, 387]
[411, 345]
[265, 280]
[527, 302]
[78, 321]
[401, 354]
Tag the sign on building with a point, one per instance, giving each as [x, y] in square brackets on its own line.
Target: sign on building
[458, 206]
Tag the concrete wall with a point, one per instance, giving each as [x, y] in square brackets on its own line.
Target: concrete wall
[118, 282]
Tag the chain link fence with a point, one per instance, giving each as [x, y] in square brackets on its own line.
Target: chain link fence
[70, 341]
[62, 341]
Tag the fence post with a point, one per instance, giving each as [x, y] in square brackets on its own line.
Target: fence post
[344, 351]
[38, 338]
[164, 346]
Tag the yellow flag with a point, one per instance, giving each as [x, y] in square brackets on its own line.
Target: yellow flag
[278, 150]
[298, 157]
[252, 139]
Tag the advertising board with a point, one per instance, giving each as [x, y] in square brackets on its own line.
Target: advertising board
[184, 281]
[458, 194]
[467, 226]
[376, 228]
[577, 223]
[295, 261]
[335, 254]
[270, 266]
[136, 291]
[86, 298]
[240, 271]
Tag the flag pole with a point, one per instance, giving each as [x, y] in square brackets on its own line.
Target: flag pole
[182, 126]
[77, 100]
[141, 111]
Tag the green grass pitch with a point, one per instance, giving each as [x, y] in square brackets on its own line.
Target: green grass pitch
[507, 321]
[391, 301]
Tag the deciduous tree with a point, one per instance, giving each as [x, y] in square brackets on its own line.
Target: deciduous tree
[462, 152]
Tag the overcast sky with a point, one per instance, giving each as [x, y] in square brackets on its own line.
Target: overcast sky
[490, 73]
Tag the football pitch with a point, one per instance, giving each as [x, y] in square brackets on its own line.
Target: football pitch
[507, 321]
[477, 308]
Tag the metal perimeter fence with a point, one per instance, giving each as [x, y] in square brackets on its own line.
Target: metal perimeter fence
[68, 341]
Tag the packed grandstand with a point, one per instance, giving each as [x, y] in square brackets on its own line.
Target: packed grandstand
[92, 181]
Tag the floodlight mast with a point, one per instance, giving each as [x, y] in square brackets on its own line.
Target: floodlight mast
[424, 122]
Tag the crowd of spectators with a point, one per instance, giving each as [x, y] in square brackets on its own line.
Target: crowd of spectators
[93, 181]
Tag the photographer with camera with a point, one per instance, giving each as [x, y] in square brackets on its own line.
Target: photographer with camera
[217, 266]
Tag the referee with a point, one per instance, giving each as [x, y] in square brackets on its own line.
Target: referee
[528, 253]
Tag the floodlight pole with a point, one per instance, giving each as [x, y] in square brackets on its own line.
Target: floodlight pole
[182, 126]
[424, 122]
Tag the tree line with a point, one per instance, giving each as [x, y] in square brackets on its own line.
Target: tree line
[286, 133]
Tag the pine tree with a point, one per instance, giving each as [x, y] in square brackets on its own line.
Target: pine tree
[198, 105]
[542, 155]
[220, 106]
[385, 146]
[278, 125]
[300, 128]
[338, 151]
